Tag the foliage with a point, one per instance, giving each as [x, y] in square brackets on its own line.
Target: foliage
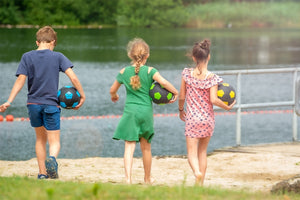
[9, 13]
[25, 188]
[186, 2]
[57, 12]
[245, 14]
[154, 13]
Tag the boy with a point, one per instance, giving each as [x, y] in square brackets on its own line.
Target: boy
[41, 67]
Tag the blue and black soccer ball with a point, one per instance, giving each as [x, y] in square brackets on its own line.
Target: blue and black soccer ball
[159, 95]
[68, 97]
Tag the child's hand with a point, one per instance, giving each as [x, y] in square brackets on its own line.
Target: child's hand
[231, 105]
[4, 106]
[115, 98]
[82, 100]
[182, 115]
[174, 98]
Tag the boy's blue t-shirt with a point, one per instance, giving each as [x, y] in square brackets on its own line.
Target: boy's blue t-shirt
[42, 69]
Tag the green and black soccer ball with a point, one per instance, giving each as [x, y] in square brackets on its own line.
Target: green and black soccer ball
[159, 95]
[226, 93]
[68, 97]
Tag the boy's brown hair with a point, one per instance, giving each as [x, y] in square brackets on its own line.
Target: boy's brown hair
[46, 34]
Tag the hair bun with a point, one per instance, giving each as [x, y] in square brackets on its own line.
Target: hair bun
[205, 44]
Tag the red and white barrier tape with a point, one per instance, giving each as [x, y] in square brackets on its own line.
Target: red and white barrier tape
[10, 118]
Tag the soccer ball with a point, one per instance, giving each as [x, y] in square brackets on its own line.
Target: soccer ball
[226, 93]
[159, 95]
[68, 97]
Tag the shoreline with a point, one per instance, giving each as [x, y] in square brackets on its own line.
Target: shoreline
[255, 168]
[104, 26]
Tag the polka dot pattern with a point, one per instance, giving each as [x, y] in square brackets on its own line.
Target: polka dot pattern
[200, 120]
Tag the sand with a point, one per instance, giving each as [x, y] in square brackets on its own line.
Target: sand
[253, 168]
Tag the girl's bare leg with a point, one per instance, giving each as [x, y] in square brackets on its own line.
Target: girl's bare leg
[192, 150]
[128, 159]
[147, 159]
[202, 156]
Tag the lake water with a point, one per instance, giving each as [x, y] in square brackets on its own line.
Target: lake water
[98, 55]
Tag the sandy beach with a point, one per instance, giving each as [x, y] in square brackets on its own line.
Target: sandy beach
[255, 168]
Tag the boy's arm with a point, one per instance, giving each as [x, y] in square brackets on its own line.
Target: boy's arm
[76, 83]
[19, 83]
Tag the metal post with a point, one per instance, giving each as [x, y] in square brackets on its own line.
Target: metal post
[238, 113]
[295, 125]
[239, 106]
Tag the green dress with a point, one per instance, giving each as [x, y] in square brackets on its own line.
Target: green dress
[137, 119]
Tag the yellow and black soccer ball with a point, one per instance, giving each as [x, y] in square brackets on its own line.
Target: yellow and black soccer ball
[226, 93]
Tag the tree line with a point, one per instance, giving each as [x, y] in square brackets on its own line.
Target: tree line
[154, 13]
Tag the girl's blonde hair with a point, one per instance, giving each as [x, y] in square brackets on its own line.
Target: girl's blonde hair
[137, 51]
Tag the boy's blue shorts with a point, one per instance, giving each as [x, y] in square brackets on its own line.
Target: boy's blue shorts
[44, 115]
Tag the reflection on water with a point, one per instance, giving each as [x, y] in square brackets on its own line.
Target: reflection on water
[263, 56]
[229, 47]
[98, 55]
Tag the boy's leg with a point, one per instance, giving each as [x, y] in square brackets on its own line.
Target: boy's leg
[128, 159]
[192, 150]
[51, 119]
[46, 121]
[147, 159]
[54, 148]
[54, 142]
[202, 155]
[36, 121]
[40, 148]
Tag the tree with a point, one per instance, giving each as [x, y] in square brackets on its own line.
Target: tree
[154, 13]
[9, 12]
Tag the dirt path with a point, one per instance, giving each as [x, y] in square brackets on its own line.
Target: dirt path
[256, 168]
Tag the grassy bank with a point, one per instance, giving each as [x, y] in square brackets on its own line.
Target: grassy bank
[26, 188]
[156, 13]
[245, 15]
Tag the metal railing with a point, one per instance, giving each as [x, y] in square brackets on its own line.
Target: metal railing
[239, 106]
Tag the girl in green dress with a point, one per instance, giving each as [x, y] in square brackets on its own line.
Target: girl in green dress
[136, 124]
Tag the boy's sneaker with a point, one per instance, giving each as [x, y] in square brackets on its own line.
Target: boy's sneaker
[42, 176]
[51, 167]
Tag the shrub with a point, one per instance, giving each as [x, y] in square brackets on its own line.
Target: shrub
[154, 13]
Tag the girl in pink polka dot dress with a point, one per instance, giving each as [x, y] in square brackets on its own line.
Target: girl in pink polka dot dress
[199, 89]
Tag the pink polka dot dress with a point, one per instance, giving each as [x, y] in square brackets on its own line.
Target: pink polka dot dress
[200, 119]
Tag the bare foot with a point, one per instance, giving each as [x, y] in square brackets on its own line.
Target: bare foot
[149, 181]
[198, 179]
[128, 181]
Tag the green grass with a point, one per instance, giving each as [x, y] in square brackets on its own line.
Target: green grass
[241, 15]
[28, 188]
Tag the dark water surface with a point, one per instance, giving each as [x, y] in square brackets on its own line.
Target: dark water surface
[98, 55]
